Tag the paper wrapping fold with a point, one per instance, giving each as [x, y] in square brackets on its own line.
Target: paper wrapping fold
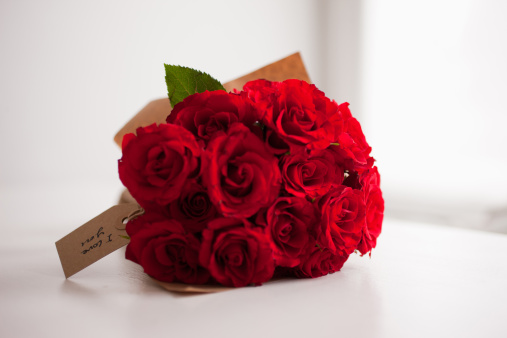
[191, 288]
[156, 111]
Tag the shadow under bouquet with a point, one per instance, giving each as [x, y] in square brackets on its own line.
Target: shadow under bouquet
[274, 180]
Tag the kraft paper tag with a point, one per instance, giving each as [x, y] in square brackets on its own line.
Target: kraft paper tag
[96, 238]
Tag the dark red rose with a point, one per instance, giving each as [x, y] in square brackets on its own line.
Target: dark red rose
[298, 112]
[374, 210]
[288, 221]
[135, 225]
[342, 213]
[311, 176]
[236, 254]
[193, 208]
[319, 262]
[205, 113]
[157, 162]
[241, 175]
[165, 251]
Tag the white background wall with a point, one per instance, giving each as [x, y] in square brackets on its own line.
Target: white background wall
[425, 78]
[433, 88]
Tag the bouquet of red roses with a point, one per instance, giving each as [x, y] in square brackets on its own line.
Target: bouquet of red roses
[239, 187]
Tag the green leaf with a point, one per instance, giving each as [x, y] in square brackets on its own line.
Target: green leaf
[126, 237]
[183, 81]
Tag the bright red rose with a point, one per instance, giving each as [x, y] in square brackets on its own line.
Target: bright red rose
[165, 251]
[205, 113]
[236, 254]
[193, 208]
[352, 145]
[241, 175]
[311, 176]
[374, 210]
[263, 93]
[342, 213]
[298, 112]
[319, 262]
[288, 220]
[157, 162]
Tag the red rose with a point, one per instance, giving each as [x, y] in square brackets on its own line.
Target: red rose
[205, 113]
[193, 208]
[288, 221]
[374, 210]
[319, 262]
[157, 162]
[263, 93]
[241, 175]
[236, 254]
[352, 145]
[311, 176]
[165, 251]
[342, 212]
[300, 113]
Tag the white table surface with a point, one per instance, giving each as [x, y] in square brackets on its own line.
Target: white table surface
[422, 281]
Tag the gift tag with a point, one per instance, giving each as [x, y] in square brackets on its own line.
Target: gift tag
[97, 238]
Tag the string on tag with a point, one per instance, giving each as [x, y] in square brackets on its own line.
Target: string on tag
[124, 221]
